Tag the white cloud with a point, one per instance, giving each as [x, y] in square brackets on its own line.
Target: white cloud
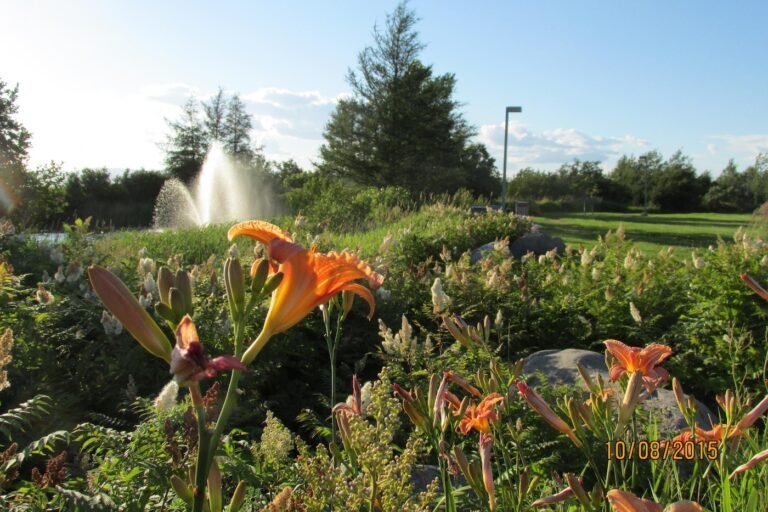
[746, 145]
[553, 147]
[288, 99]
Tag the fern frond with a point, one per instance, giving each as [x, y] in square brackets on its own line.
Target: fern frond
[77, 501]
[45, 445]
[21, 417]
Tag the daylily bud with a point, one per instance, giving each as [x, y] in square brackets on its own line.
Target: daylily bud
[578, 489]
[234, 281]
[166, 313]
[751, 463]
[574, 415]
[214, 488]
[538, 404]
[237, 497]
[272, 283]
[347, 299]
[434, 383]
[124, 306]
[751, 417]
[630, 401]
[555, 498]
[458, 329]
[164, 282]
[587, 379]
[184, 284]
[486, 443]
[177, 302]
[259, 273]
[182, 489]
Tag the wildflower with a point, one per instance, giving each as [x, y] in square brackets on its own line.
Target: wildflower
[57, 256]
[698, 261]
[386, 244]
[74, 272]
[189, 363]
[112, 325]
[629, 261]
[6, 346]
[43, 296]
[276, 441]
[751, 463]
[167, 397]
[309, 279]
[499, 320]
[124, 306]
[538, 404]
[146, 265]
[502, 246]
[480, 417]
[383, 294]
[635, 313]
[150, 286]
[402, 344]
[486, 443]
[440, 301]
[633, 359]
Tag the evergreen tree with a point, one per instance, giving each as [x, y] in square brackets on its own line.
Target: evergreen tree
[402, 125]
[237, 131]
[186, 145]
[215, 114]
[14, 138]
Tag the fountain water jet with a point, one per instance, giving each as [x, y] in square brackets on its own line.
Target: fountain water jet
[224, 191]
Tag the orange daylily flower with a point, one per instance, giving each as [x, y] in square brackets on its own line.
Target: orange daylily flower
[480, 416]
[309, 279]
[720, 432]
[634, 359]
[623, 501]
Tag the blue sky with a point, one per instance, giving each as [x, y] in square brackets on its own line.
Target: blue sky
[595, 79]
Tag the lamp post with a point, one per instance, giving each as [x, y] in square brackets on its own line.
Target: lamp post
[504, 175]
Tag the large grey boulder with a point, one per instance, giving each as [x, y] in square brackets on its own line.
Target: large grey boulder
[537, 243]
[559, 366]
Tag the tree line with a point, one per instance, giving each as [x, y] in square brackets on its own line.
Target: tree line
[648, 180]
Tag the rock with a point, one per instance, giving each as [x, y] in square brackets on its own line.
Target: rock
[560, 368]
[481, 252]
[537, 243]
[423, 474]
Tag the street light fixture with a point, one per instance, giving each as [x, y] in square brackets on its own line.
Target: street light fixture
[504, 176]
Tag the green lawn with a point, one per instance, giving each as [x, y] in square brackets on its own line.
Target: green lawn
[650, 233]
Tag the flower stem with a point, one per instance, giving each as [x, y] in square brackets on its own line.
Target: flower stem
[201, 469]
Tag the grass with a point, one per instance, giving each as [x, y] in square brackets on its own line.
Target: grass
[653, 232]
[649, 233]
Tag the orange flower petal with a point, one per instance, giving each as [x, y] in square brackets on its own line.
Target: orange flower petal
[623, 354]
[259, 230]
